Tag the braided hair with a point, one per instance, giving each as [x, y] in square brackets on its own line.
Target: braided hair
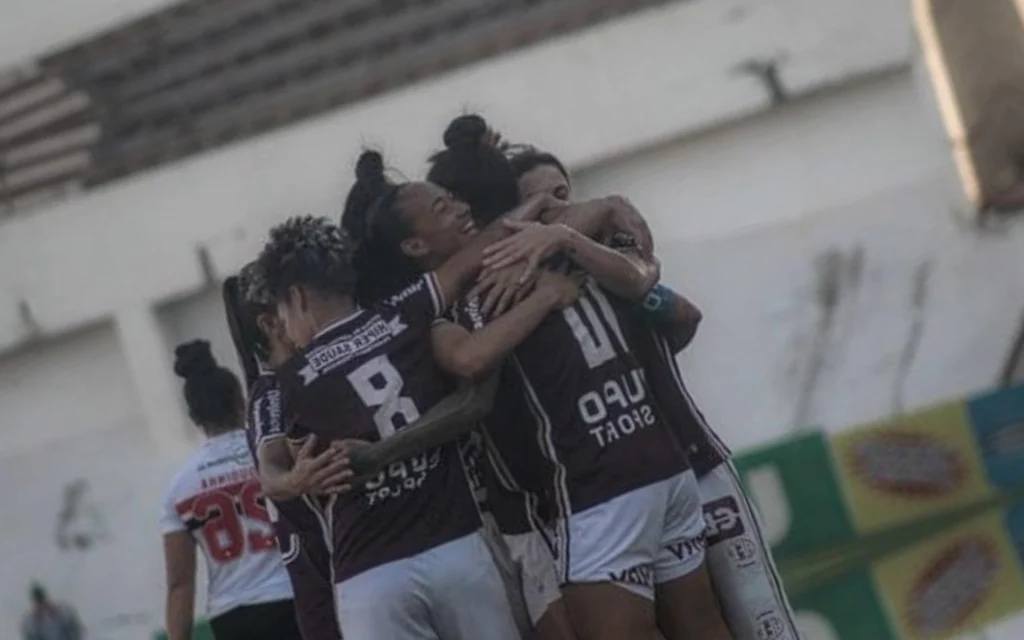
[373, 219]
[475, 172]
[212, 393]
[308, 251]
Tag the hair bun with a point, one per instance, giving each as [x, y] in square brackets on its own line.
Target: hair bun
[465, 132]
[370, 167]
[194, 359]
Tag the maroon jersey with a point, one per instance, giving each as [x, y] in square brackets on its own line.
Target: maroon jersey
[655, 351]
[584, 426]
[365, 377]
[300, 524]
[514, 472]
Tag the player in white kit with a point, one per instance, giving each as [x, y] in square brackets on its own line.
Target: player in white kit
[214, 503]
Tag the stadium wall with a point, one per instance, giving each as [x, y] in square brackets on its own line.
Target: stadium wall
[824, 237]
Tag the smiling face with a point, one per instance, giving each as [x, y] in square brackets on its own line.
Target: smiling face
[439, 224]
[546, 179]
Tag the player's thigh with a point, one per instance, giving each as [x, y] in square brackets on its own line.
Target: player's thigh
[683, 538]
[386, 602]
[555, 623]
[687, 608]
[606, 565]
[607, 611]
[739, 560]
[468, 595]
[686, 604]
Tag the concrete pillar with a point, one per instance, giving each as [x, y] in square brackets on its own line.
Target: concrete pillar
[150, 364]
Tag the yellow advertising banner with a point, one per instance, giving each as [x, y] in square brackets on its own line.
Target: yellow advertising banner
[954, 582]
[911, 467]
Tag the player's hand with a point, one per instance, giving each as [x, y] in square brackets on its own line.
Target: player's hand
[538, 205]
[361, 462]
[360, 456]
[500, 289]
[627, 219]
[563, 289]
[532, 243]
[325, 473]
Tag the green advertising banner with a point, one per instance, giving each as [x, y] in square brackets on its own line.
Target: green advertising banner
[904, 529]
[797, 493]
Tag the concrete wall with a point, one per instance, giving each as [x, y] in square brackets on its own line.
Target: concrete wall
[825, 239]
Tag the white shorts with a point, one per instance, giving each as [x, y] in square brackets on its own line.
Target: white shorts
[451, 592]
[645, 537]
[753, 600]
[511, 573]
[537, 572]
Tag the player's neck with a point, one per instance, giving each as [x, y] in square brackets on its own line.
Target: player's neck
[328, 310]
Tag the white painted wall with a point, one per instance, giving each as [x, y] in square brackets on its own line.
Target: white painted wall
[750, 205]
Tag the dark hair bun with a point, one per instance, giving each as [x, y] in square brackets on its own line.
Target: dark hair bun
[465, 132]
[194, 359]
[370, 167]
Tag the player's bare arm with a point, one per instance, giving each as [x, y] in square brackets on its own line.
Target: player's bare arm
[596, 217]
[284, 476]
[627, 275]
[454, 416]
[180, 560]
[470, 355]
[456, 272]
[674, 313]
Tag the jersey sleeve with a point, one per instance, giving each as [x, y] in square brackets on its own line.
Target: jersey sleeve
[266, 416]
[170, 521]
[421, 303]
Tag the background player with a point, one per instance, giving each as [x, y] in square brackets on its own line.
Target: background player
[300, 523]
[214, 503]
[743, 572]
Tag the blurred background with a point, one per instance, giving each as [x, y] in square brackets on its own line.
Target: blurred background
[834, 182]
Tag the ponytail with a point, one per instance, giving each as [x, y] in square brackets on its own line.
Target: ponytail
[245, 334]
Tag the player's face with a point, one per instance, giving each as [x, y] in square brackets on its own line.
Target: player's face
[546, 179]
[297, 323]
[440, 224]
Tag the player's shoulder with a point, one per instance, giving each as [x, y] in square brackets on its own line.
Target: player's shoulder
[266, 382]
[185, 480]
[425, 284]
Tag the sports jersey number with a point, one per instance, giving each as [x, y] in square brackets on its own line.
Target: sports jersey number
[594, 340]
[221, 510]
[379, 384]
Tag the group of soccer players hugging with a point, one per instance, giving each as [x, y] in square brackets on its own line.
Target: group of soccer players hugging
[464, 421]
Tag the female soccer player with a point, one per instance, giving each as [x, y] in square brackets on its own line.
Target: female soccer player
[606, 433]
[214, 503]
[407, 556]
[300, 523]
[616, 541]
[743, 572]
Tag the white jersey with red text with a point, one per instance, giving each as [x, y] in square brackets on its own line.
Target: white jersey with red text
[216, 499]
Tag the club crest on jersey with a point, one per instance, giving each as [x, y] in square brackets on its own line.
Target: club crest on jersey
[325, 358]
